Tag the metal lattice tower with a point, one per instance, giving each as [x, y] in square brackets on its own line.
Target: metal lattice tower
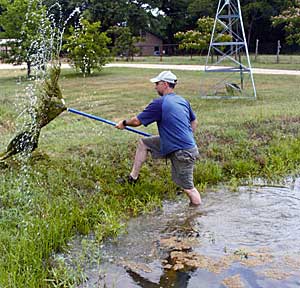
[228, 56]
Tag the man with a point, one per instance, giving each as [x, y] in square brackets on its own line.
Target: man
[176, 123]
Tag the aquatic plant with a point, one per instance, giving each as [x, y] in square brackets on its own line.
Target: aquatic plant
[49, 105]
[42, 34]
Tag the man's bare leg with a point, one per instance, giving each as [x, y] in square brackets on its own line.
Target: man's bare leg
[194, 196]
[140, 158]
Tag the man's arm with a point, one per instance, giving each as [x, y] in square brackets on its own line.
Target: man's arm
[133, 122]
[194, 125]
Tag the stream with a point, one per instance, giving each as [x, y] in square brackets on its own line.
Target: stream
[246, 238]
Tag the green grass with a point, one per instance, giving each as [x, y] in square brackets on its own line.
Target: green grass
[68, 186]
[289, 62]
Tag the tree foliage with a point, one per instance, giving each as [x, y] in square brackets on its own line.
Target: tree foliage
[131, 14]
[257, 19]
[201, 8]
[123, 44]
[176, 17]
[30, 30]
[199, 39]
[290, 19]
[196, 40]
[87, 47]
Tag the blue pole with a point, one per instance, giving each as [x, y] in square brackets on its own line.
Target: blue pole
[106, 121]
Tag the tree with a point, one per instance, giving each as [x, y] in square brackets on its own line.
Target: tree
[123, 41]
[130, 13]
[201, 8]
[290, 18]
[256, 15]
[199, 39]
[161, 17]
[87, 47]
[29, 28]
[192, 41]
[177, 17]
[257, 20]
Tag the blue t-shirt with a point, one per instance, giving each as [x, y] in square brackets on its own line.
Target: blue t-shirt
[173, 115]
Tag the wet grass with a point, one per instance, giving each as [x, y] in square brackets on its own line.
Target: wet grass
[68, 186]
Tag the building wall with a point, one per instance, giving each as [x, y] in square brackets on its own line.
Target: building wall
[151, 45]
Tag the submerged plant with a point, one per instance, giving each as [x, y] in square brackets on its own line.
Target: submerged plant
[49, 105]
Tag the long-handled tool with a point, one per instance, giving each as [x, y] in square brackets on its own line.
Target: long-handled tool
[106, 121]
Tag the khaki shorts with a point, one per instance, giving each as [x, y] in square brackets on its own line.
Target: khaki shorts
[183, 161]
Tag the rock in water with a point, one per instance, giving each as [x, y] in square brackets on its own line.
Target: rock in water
[50, 104]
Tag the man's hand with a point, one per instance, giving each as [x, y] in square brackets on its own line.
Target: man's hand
[133, 122]
[194, 125]
[120, 125]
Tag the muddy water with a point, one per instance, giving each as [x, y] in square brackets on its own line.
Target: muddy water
[247, 238]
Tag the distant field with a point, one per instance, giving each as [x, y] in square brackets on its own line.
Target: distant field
[262, 61]
[116, 93]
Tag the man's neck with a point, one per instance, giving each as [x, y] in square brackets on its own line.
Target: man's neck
[168, 91]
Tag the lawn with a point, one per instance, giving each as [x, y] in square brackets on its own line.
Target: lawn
[289, 62]
[68, 186]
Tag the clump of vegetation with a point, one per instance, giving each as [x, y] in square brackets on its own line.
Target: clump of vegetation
[268, 149]
[48, 106]
[56, 199]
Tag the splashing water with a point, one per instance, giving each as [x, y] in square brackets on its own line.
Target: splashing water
[43, 94]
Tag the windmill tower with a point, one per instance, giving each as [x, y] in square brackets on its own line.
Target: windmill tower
[227, 68]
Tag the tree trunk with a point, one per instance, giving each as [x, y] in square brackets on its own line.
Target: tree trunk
[28, 69]
[250, 31]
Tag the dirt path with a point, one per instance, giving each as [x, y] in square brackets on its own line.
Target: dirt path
[171, 67]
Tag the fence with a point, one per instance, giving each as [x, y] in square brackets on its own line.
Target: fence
[165, 51]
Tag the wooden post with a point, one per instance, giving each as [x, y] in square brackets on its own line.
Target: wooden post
[160, 53]
[256, 49]
[278, 51]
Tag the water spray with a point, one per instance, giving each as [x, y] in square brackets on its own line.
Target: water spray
[43, 91]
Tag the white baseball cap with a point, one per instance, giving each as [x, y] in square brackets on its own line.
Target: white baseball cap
[166, 76]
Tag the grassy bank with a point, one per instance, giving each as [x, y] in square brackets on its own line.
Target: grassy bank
[68, 186]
